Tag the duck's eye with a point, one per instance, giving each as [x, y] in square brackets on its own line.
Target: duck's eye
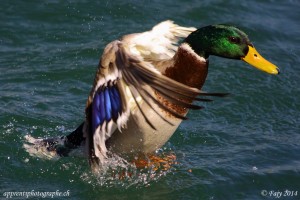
[234, 40]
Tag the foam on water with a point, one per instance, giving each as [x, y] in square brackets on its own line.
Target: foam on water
[118, 172]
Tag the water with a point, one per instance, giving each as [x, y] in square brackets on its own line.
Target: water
[237, 148]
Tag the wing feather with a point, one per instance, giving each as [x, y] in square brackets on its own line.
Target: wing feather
[123, 67]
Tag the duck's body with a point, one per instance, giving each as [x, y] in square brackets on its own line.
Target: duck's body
[149, 114]
[139, 137]
[146, 83]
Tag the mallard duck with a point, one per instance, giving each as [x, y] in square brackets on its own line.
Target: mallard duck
[147, 82]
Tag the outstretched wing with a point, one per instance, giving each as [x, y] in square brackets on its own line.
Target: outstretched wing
[160, 43]
[120, 74]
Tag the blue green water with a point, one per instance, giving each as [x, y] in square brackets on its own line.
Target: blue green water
[237, 148]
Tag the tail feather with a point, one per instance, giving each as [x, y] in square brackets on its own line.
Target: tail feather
[49, 148]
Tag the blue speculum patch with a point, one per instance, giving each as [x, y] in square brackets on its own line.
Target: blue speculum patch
[106, 106]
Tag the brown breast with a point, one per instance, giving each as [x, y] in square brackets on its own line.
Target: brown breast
[188, 68]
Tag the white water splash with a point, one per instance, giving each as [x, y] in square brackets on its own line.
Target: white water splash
[118, 172]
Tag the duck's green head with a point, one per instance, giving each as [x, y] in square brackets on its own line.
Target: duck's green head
[229, 42]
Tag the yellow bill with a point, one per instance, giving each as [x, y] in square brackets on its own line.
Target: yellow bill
[256, 60]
